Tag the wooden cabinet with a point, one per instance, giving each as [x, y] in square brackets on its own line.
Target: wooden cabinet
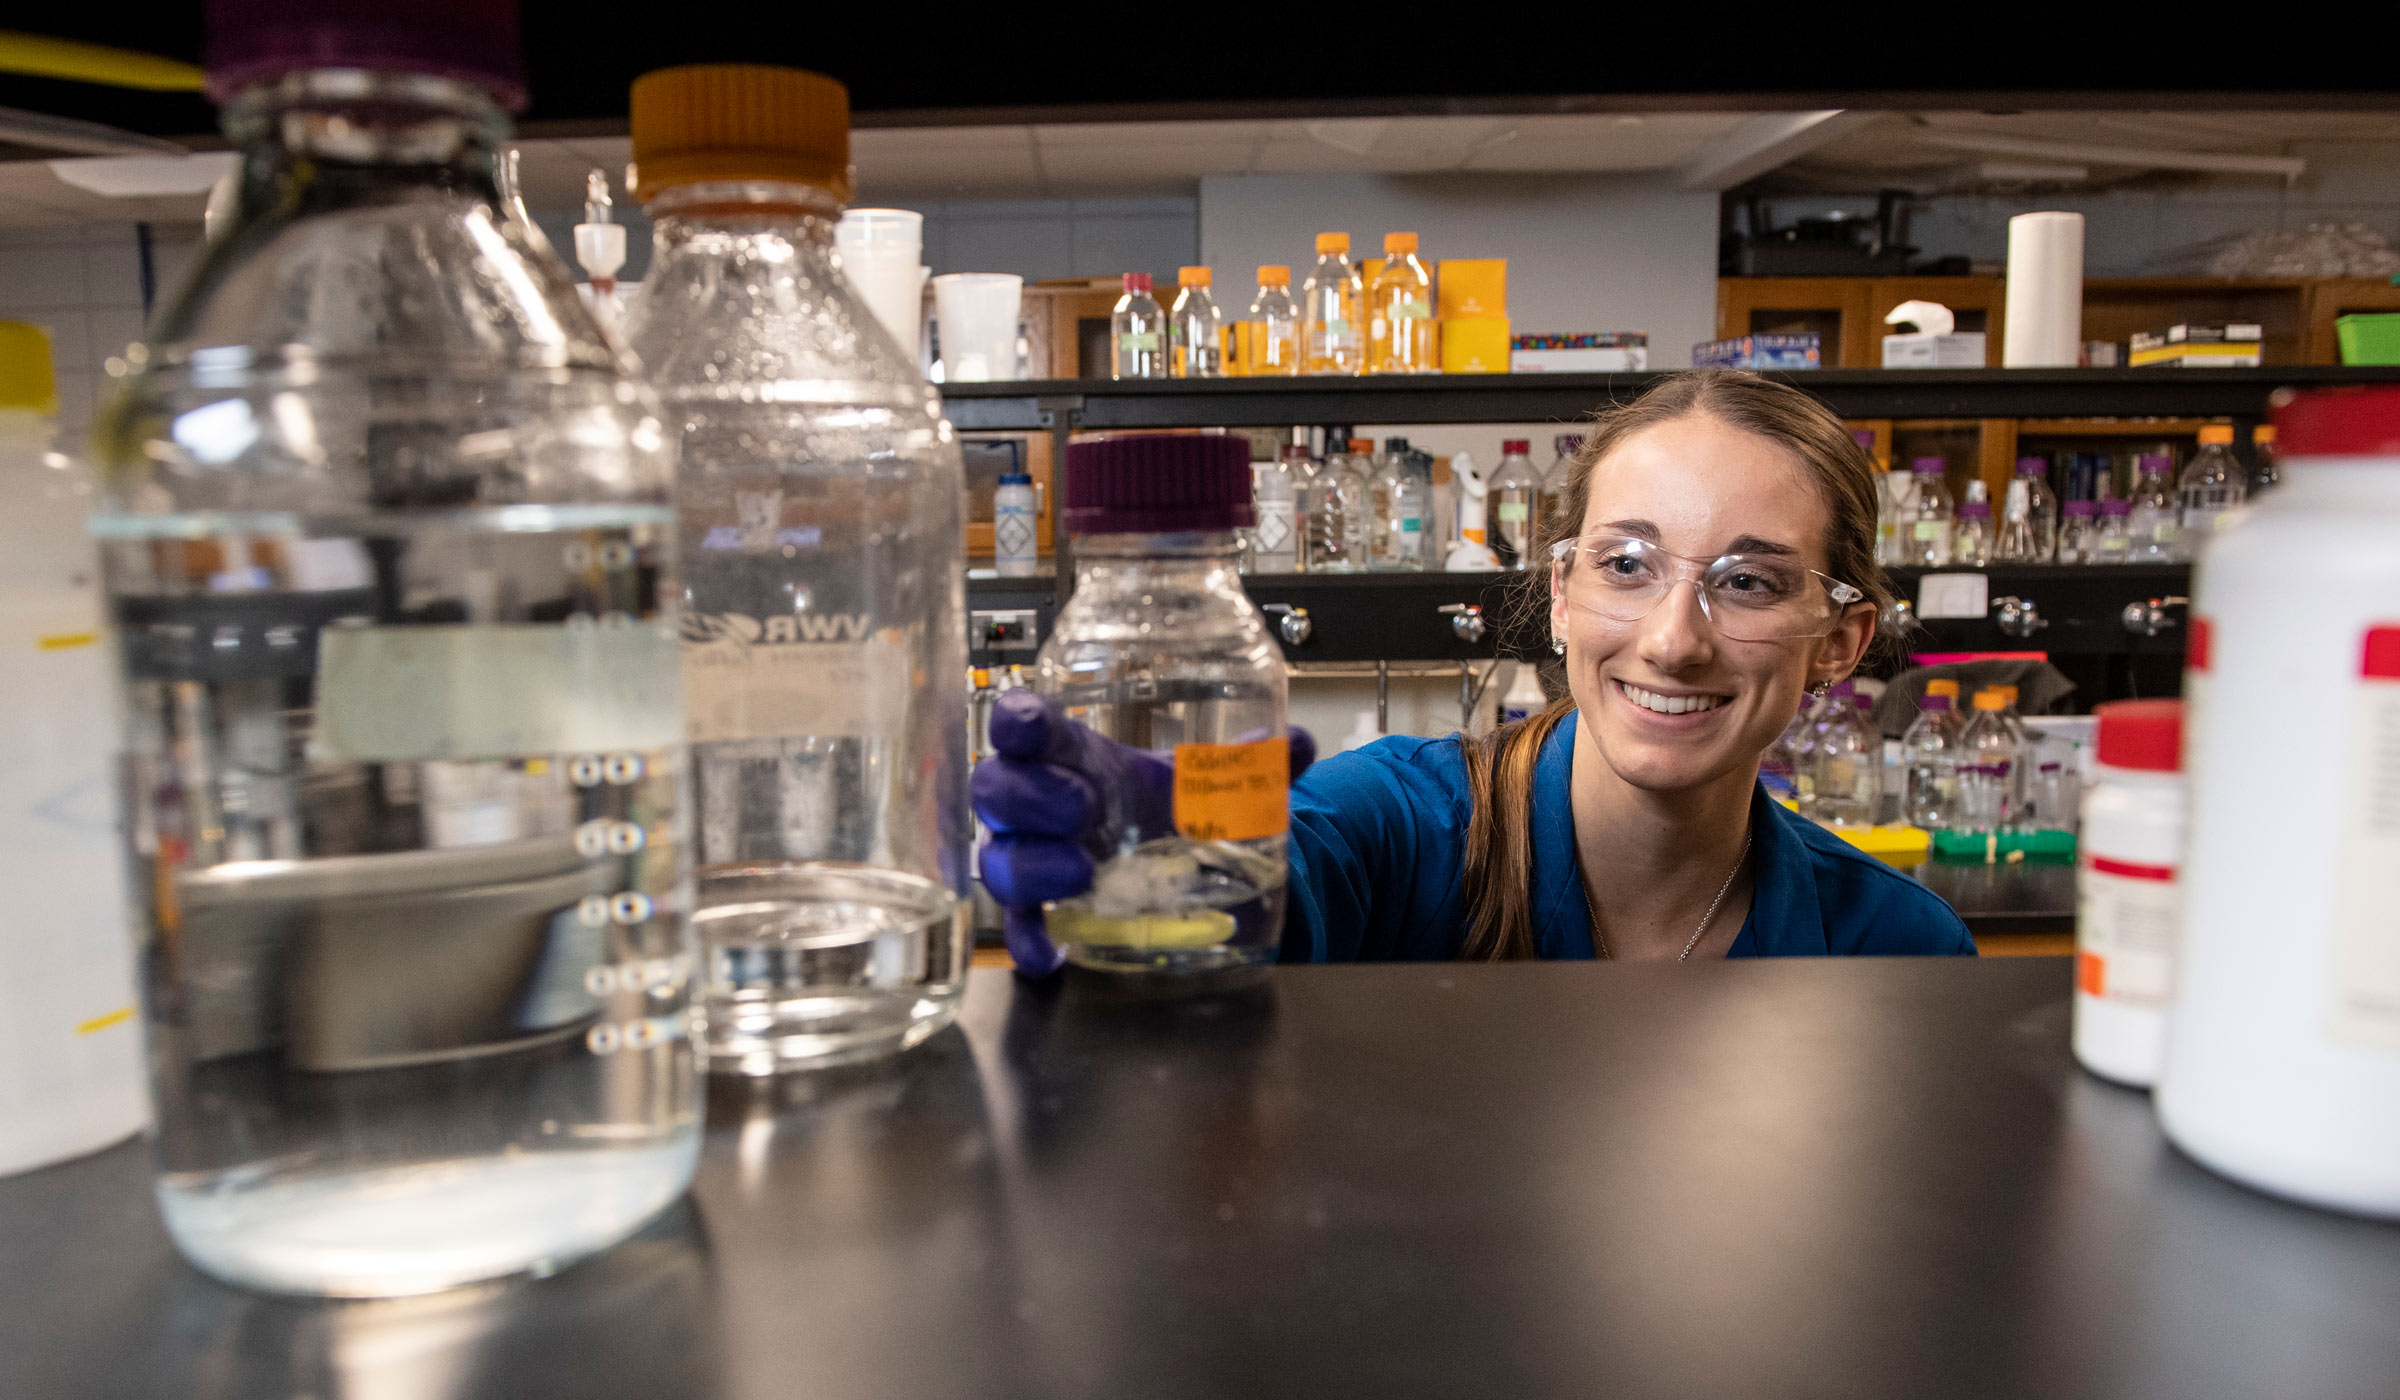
[2295, 315]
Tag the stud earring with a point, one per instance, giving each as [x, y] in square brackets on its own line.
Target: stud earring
[1558, 646]
[1819, 689]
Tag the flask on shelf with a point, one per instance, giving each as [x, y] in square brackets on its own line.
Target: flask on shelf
[419, 961]
[1401, 498]
[1400, 326]
[1333, 332]
[68, 1030]
[2153, 525]
[2078, 533]
[1929, 758]
[2112, 540]
[2282, 1065]
[1927, 522]
[823, 504]
[1514, 500]
[2128, 899]
[1196, 328]
[1160, 648]
[1845, 762]
[1016, 522]
[1971, 540]
[1269, 334]
[2028, 517]
[1137, 333]
[2212, 484]
[1987, 768]
[1274, 537]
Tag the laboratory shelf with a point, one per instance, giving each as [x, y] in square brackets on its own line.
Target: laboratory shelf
[1065, 405]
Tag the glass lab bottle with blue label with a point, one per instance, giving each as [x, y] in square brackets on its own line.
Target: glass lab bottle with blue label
[1401, 501]
[386, 533]
[823, 517]
[1016, 526]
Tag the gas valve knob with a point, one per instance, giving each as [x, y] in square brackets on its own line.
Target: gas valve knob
[2148, 619]
[1466, 620]
[1292, 624]
[2018, 617]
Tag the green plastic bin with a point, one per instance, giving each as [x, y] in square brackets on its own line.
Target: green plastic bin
[2369, 338]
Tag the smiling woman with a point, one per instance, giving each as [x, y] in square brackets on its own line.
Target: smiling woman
[1712, 558]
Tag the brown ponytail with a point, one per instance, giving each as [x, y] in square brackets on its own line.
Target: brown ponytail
[1497, 881]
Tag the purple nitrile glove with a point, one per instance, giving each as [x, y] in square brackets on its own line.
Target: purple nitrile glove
[1058, 798]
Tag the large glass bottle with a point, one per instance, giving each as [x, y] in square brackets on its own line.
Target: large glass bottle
[822, 504]
[1137, 333]
[2211, 485]
[1929, 521]
[1196, 328]
[1333, 334]
[2154, 523]
[1401, 500]
[386, 532]
[1270, 333]
[1161, 650]
[1515, 493]
[1400, 326]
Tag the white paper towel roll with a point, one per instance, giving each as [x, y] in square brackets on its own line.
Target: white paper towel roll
[2045, 290]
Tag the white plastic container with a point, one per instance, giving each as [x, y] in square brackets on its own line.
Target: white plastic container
[882, 253]
[70, 1043]
[2128, 894]
[1016, 534]
[2283, 1053]
[977, 315]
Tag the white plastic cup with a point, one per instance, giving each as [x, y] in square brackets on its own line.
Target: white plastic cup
[977, 312]
[882, 251]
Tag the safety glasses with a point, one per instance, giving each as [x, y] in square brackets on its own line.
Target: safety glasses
[1746, 597]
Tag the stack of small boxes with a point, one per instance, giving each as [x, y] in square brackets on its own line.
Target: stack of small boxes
[1472, 302]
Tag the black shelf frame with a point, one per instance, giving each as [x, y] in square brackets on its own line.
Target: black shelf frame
[1398, 617]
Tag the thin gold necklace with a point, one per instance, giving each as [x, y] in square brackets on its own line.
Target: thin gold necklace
[1592, 910]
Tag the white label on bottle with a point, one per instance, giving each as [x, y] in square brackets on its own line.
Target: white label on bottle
[1931, 529]
[1953, 595]
[2364, 959]
[1274, 528]
[497, 690]
[792, 676]
[1512, 512]
[2126, 916]
[1139, 340]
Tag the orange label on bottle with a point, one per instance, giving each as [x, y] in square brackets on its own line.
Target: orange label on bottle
[1233, 792]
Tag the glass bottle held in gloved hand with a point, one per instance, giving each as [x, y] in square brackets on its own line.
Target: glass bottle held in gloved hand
[823, 503]
[1160, 650]
[385, 528]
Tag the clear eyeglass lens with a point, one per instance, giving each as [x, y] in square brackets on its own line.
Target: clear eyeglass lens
[1747, 597]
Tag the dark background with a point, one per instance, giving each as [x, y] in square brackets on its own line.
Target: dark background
[912, 63]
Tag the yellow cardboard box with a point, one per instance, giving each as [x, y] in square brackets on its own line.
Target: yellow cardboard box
[1473, 289]
[1476, 346]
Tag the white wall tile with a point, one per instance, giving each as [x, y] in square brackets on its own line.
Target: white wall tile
[42, 275]
[112, 267]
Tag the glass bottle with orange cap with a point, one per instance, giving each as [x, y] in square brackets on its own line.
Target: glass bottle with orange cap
[1195, 327]
[2211, 485]
[1332, 336]
[1400, 327]
[822, 505]
[1270, 334]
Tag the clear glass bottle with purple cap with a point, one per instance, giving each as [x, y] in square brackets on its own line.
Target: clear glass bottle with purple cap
[1971, 537]
[1161, 650]
[2078, 533]
[1927, 522]
[385, 520]
[1845, 762]
[2028, 517]
[2154, 523]
[2112, 542]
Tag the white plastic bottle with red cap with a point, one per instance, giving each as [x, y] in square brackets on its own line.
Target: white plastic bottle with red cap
[2128, 899]
[2282, 1067]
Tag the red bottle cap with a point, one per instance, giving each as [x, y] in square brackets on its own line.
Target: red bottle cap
[2361, 422]
[1137, 281]
[1516, 447]
[2143, 734]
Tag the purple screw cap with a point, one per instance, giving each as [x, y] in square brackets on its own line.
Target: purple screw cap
[1158, 483]
[470, 41]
